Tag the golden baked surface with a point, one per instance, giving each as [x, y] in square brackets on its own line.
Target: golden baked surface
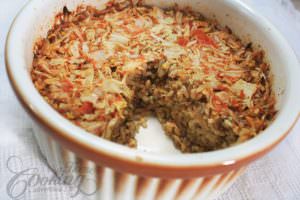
[107, 70]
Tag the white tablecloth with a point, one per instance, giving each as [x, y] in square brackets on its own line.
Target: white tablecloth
[275, 177]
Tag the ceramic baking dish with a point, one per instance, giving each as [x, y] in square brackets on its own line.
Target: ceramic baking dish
[112, 171]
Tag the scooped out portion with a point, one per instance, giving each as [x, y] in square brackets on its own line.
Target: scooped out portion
[108, 70]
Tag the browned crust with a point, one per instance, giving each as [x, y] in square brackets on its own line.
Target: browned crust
[204, 103]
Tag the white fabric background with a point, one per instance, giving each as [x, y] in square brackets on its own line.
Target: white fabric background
[275, 177]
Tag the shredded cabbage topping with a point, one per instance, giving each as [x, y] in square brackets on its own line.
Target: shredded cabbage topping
[96, 66]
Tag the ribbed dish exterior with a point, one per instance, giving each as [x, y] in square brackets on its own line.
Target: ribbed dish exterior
[103, 183]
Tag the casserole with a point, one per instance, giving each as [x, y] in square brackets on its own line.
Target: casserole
[130, 173]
